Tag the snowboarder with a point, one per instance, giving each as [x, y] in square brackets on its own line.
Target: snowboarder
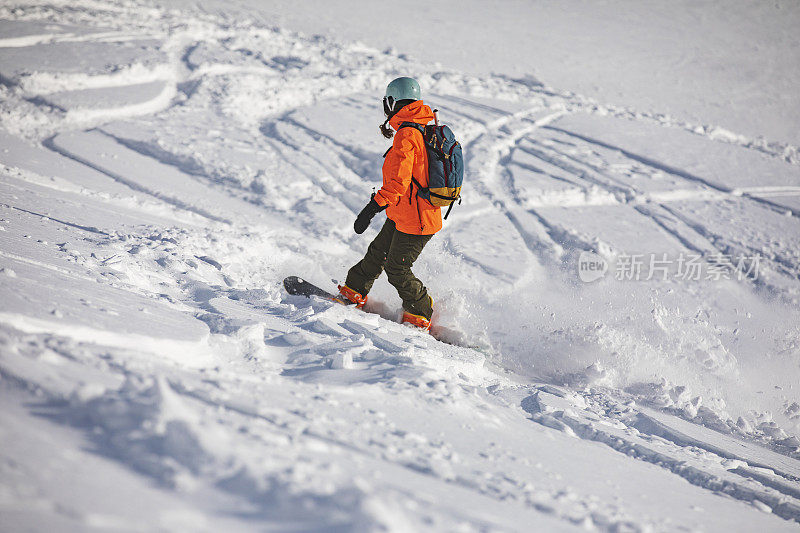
[410, 220]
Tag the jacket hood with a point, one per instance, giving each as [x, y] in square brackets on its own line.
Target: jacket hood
[414, 112]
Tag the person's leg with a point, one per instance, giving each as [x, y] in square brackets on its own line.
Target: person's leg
[403, 251]
[364, 273]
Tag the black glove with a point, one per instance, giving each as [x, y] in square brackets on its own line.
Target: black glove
[365, 216]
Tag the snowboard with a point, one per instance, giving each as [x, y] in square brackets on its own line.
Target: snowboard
[298, 286]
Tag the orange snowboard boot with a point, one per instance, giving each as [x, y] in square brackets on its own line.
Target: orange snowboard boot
[351, 296]
[418, 321]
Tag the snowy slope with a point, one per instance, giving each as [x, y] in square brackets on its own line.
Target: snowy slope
[728, 64]
[163, 170]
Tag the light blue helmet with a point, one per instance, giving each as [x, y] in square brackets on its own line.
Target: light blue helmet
[404, 89]
[399, 89]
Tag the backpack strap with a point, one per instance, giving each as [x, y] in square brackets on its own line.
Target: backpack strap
[450, 207]
[411, 192]
[419, 127]
[443, 197]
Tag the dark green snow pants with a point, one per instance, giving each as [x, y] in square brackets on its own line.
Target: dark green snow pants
[394, 252]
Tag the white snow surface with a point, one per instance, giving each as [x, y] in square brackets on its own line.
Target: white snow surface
[163, 166]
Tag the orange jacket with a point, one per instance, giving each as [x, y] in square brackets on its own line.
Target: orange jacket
[407, 157]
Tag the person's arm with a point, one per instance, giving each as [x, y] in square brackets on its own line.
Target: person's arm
[397, 169]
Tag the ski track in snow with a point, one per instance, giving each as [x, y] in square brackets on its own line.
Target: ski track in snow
[143, 317]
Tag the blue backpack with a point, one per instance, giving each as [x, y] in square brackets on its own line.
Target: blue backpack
[445, 165]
